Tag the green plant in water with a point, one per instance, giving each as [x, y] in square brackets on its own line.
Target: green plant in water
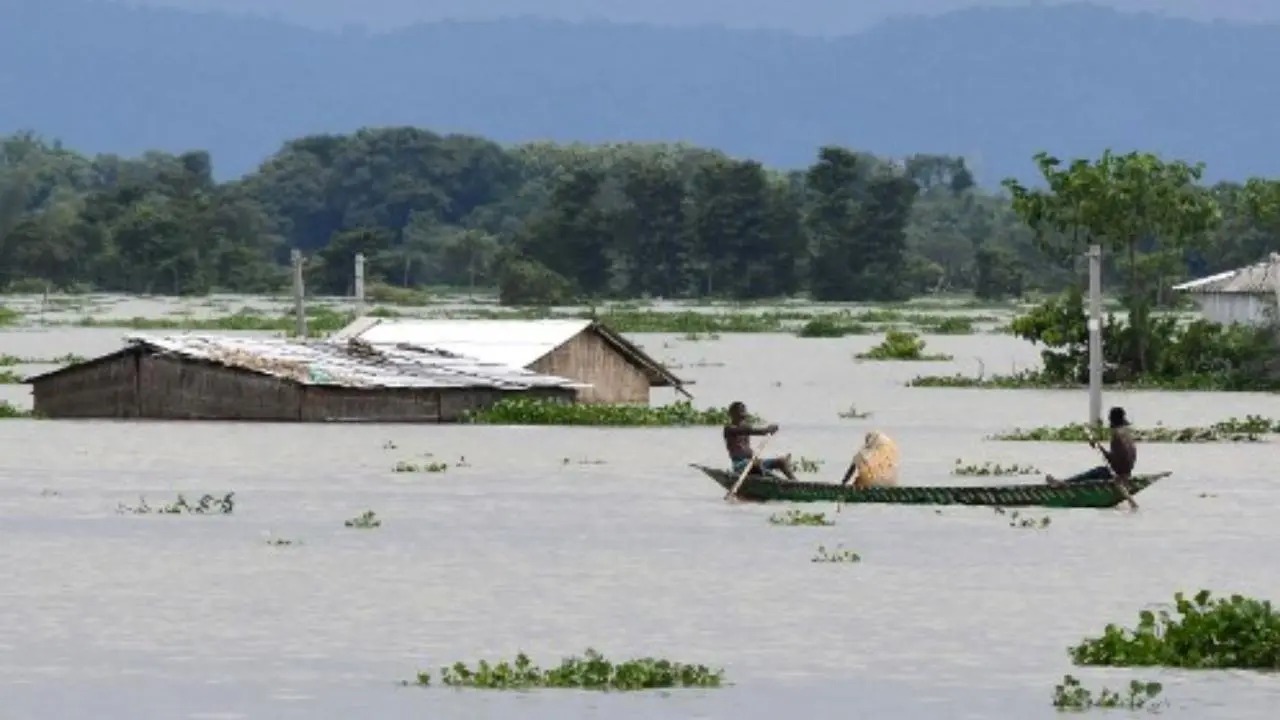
[591, 672]
[366, 520]
[807, 465]
[9, 411]
[586, 461]
[853, 413]
[1249, 429]
[207, 505]
[519, 411]
[697, 336]
[900, 345]
[431, 467]
[8, 316]
[831, 326]
[839, 555]
[1202, 633]
[9, 377]
[794, 518]
[1016, 521]
[989, 468]
[1070, 695]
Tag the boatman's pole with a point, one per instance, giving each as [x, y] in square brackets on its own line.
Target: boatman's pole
[299, 294]
[359, 293]
[1095, 334]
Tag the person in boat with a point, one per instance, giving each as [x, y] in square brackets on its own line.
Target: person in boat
[875, 464]
[1121, 456]
[737, 440]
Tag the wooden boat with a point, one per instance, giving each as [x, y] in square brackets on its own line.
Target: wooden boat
[1093, 494]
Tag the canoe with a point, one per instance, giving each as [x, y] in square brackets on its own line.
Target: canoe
[1093, 494]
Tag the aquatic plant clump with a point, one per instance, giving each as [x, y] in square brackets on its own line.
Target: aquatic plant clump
[549, 412]
[207, 505]
[1202, 633]
[366, 520]
[795, 518]
[901, 345]
[1070, 695]
[839, 555]
[8, 316]
[10, 411]
[989, 468]
[591, 672]
[1249, 429]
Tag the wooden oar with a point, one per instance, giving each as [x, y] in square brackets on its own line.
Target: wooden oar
[1124, 491]
[750, 464]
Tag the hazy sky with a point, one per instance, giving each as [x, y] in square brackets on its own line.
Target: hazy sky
[833, 17]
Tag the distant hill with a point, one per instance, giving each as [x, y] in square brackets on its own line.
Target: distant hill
[995, 85]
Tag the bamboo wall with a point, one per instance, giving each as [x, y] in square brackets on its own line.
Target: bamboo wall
[588, 358]
[106, 387]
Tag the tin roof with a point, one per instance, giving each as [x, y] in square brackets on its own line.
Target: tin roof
[352, 364]
[1257, 279]
[518, 343]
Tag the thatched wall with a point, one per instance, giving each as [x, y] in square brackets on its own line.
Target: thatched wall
[105, 387]
[588, 358]
[144, 384]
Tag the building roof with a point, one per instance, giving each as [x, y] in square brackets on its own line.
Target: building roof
[354, 364]
[1257, 279]
[518, 343]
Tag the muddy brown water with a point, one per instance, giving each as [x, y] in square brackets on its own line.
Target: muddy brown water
[623, 548]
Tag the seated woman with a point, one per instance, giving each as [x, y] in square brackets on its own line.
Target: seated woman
[875, 464]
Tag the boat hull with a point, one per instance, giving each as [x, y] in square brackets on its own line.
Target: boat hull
[1093, 494]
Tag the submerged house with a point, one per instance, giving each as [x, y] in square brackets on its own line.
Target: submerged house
[1246, 295]
[228, 378]
[611, 368]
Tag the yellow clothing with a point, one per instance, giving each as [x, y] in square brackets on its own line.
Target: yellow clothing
[877, 462]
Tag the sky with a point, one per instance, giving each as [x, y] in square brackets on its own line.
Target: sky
[809, 17]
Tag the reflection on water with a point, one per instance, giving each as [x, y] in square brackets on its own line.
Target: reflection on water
[948, 615]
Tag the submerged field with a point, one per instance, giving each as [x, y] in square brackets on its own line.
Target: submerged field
[550, 540]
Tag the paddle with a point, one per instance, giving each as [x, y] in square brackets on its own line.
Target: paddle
[1124, 491]
[750, 464]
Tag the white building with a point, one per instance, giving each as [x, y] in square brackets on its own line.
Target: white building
[1248, 295]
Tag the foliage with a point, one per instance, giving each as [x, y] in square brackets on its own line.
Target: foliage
[519, 411]
[1016, 520]
[8, 316]
[430, 467]
[1202, 633]
[794, 518]
[366, 520]
[839, 555]
[989, 468]
[1249, 429]
[9, 377]
[1070, 695]
[9, 411]
[900, 345]
[590, 672]
[208, 505]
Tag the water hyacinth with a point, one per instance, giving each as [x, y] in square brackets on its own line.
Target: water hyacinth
[901, 345]
[1070, 695]
[590, 672]
[519, 411]
[1249, 429]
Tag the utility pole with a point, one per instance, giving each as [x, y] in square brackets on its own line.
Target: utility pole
[1095, 334]
[299, 294]
[359, 284]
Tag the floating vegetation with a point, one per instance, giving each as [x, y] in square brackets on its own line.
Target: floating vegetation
[9, 411]
[1071, 695]
[366, 520]
[282, 542]
[320, 320]
[839, 555]
[853, 413]
[1017, 521]
[9, 377]
[592, 672]
[68, 359]
[992, 469]
[550, 412]
[900, 345]
[808, 465]
[8, 316]
[208, 505]
[1206, 633]
[1025, 380]
[1249, 429]
[831, 326]
[586, 461]
[388, 445]
[697, 336]
[795, 518]
[431, 467]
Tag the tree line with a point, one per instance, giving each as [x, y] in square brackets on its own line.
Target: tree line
[548, 223]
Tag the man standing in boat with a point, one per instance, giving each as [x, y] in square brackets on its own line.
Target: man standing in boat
[737, 440]
[1121, 457]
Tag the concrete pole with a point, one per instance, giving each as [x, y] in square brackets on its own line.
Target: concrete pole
[359, 284]
[299, 294]
[1095, 334]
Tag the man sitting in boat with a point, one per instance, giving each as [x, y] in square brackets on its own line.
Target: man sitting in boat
[1121, 458]
[875, 464]
[737, 440]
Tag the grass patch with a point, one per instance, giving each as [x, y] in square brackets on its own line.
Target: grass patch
[991, 469]
[320, 320]
[591, 672]
[9, 316]
[366, 520]
[1203, 633]
[795, 518]
[1070, 695]
[549, 412]
[1249, 429]
[392, 295]
[9, 411]
[831, 326]
[839, 555]
[9, 377]
[68, 359]
[207, 505]
[901, 345]
[1038, 380]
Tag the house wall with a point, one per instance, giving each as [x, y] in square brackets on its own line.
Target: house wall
[588, 358]
[184, 389]
[1228, 308]
[104, 388]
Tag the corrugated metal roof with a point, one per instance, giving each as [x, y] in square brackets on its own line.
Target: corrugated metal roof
[518, 343]
[1256, 279]
[353, 364]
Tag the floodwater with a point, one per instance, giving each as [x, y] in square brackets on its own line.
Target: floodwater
[553, 540]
